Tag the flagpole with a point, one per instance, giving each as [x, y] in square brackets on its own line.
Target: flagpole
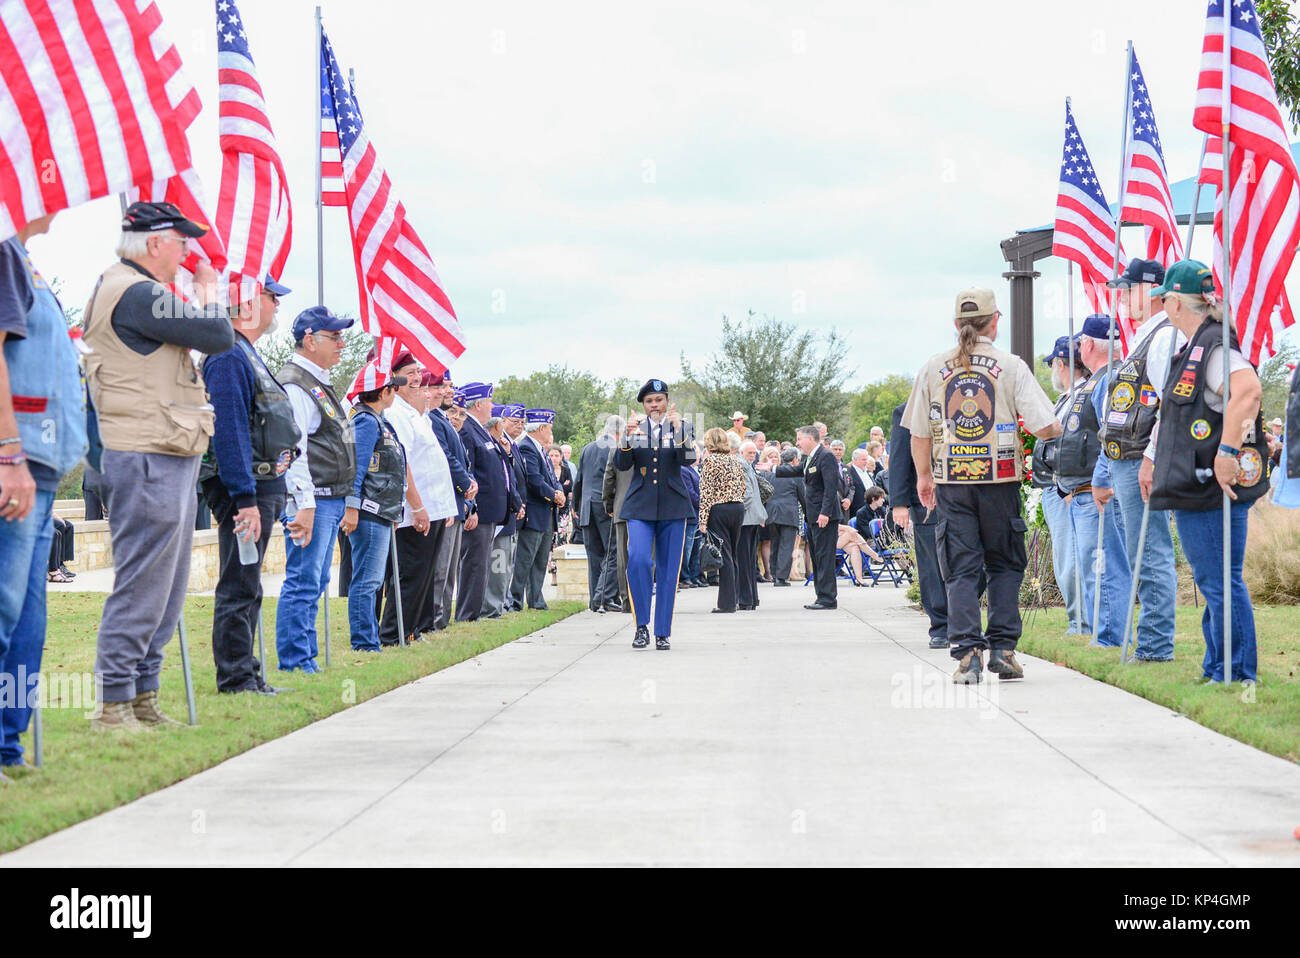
[320, 273]
[1196, 199]
[320, 207]
[1099, 556]
[1227, 335]
[1069, 278]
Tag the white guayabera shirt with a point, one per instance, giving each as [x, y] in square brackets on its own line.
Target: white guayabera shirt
[427, 460]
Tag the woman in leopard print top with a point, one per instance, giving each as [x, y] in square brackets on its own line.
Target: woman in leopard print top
[722, 509]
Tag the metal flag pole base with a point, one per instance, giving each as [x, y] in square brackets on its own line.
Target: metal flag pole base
[326, 596]
[185, 669]
[1098, 566]
[1129, 627]
[38, 737]
[397, 589]
[261, 644]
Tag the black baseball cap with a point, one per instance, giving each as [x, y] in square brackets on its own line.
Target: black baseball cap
[142, 217]
[1139, 271]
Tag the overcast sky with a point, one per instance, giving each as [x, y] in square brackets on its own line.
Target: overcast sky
[599, 183]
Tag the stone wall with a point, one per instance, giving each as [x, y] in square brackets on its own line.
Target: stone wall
[94, 550]
[571, 573]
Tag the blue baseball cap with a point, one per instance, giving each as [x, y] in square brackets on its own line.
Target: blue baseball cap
[541, 415]
[318, 319]
[1062, 350]
[1140, 271]
[275, 289]
[1097, 326]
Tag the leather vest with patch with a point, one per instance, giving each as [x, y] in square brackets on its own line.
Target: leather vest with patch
[1131, 403]
[331, 452]
[1080, 443]
[384, 484]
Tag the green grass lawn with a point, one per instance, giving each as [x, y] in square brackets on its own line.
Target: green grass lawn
[88, 772]
[1267, 716]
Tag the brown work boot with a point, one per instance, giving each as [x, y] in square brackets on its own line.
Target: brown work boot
[1003, 664]
[115, 715]
[147, 712]
[970, 669]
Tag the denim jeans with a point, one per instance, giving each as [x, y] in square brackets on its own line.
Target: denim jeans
[306, 575]
[1065, 562]
[1157, 581]
[691, 557]
[369, 560]
[1201, 535]
[24, 554]
[1116, 576]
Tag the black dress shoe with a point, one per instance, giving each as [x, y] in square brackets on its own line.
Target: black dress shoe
[782, 582]
[818, 605]
[642, 638]
[661, 642]
[599, 609]
[722, 610]
[745, 608]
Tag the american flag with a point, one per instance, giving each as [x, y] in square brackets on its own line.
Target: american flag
[1264, 184]
[1084, 231]
[184, 190]
[1212, 165]
[253, 211]
[400, 293]
[332, 192]
[86, 104]
[1146, 191]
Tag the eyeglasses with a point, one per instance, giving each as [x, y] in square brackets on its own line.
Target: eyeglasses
[335, 338]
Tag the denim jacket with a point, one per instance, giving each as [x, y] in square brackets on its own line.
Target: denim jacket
[49, 393]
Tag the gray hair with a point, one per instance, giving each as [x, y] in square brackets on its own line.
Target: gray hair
[734, 440]
[614, 426]
[492, 421]
[854, 457]
[837, 442]
[811, 431]
[532, 427]
[748, 444]
[475, 403]
[789, 455]
[132, 245]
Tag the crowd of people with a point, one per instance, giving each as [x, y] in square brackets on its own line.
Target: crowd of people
[448, 504]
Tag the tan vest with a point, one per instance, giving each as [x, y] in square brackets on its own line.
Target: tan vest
[154, 403]
[973, 429]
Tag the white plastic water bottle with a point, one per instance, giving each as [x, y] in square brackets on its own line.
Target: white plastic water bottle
[247, 544]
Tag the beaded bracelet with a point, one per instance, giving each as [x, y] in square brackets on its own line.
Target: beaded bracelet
[14, 460]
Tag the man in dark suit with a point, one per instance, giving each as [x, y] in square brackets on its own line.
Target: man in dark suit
[907, 507]
[501, 560]
[821, 476]
[494, 501]
[857, 490]
[656, 509]
[436, 613]
[544, 496]
[592, 517]
[613, 491]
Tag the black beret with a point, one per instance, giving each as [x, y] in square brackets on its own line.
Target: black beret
[652, 386]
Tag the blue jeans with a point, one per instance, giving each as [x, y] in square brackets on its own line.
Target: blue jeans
[24, 558]
[369, 562]
[1201, 535]
[306, 575]
[1116, 576]
[691, 552]
[1158, 583]
[1065, 563]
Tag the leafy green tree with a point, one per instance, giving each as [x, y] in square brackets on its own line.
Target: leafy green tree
[782, 377]
[874, 405]
[1275, 378]
[582, 401]
[1281, 31]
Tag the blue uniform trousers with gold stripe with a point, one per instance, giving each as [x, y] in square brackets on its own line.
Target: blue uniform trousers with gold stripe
[656, 543]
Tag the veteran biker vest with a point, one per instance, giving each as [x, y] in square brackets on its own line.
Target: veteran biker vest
[331, 457]
[271, 429]
[973, 425]
[1080, 443]
[1190, 433]
[384, 484]
[1132, 403]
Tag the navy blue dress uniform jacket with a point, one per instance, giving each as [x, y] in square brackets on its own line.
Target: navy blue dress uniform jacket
[540, 487]
[657, 490]
[517, 476]
[449, 439]
[487, 463]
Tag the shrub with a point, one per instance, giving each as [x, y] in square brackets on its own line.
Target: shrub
[1272, 566]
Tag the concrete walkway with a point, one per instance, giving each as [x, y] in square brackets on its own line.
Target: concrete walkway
[773, 737]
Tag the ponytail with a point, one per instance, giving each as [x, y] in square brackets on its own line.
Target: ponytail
[968, 333]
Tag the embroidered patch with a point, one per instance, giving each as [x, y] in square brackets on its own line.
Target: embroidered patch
[1073, 422]
[1116, 418]
[1112, 450]
[1122, 398]
[1196, 352]
[1007, 468]
[970, 463]
[283, 463]
[324, 401]
[1252, 467]
[1183, 390]
[30, 403]
[1149, 396]
[1200, 429]
[969, 404]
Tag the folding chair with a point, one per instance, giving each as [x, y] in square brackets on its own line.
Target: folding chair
[891, 552]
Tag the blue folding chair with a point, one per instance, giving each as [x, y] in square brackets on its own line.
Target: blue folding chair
[843, 568]
[891, 552]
